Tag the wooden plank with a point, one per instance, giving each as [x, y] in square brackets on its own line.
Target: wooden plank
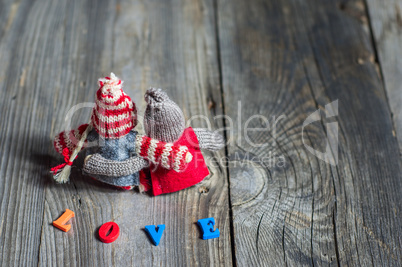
[386, 24]
[289, 58]
[52, 54]
[23, 136]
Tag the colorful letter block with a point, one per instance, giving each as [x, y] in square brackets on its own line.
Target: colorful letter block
[61, 222]
[110, 231]
[111, 227]
[207, 228]
[155, 233]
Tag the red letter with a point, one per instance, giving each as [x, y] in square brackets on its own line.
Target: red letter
[114, 232]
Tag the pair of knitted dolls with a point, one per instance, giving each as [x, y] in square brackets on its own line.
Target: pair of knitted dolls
[166, 159]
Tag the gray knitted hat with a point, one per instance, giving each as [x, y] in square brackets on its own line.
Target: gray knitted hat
[163, 119]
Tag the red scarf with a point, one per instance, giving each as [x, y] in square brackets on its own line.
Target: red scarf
[167, 181]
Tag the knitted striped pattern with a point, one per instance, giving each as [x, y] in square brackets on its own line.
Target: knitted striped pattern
[69, 139]
[114, 114]
[169, 156]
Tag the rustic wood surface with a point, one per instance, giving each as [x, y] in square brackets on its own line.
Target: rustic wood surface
[53, 53]
[386, 22]
[290, 58]
[282, 60]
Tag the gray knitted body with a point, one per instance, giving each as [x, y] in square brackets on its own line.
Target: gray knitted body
[117, 150]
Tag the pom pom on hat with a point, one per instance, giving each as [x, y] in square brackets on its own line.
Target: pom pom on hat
[110, 85]
[155, 95]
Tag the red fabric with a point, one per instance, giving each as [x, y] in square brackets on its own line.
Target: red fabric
[167, 181]
[129, 187]
[145, 179]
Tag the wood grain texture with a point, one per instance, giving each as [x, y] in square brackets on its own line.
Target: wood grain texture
[291, 58]
[280, 59]
[52, 53]
[386, 25]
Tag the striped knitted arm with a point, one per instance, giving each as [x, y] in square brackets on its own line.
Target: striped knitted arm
[168, 155]
[69, 139]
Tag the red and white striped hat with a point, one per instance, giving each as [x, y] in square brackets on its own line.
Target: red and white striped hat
[114, 114]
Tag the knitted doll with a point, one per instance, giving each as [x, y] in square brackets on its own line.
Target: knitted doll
[164, 121]
[110, 131]
[111, 135]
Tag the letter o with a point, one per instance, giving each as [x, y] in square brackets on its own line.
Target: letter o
[114, 232]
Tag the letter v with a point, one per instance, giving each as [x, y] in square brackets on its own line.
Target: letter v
[155, 233]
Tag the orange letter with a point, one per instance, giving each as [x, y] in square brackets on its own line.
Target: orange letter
[60, 222]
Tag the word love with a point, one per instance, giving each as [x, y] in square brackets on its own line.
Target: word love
[110, 231]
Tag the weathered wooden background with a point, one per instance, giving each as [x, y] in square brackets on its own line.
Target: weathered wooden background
[279, 59]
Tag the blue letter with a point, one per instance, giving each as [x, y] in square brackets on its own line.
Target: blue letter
[154, 234]
[207, 227]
